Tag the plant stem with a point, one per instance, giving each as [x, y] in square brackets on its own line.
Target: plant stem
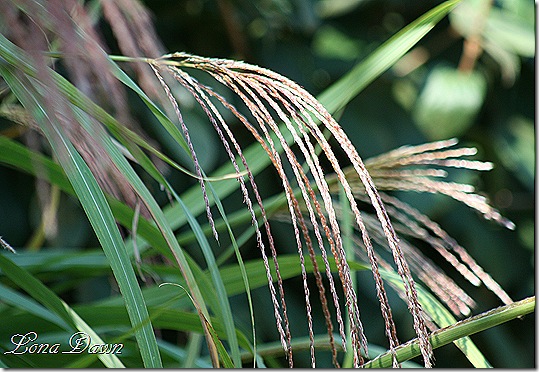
[458, 330]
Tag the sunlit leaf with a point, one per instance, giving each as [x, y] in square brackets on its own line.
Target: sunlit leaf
[517, 148]
[331, 43]
[449, 102]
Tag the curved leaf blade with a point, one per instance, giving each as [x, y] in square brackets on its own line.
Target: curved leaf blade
[461, 329]
[341, 92]
[59, 312]
[97, 209]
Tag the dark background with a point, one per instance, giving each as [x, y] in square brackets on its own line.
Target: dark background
[315, 43]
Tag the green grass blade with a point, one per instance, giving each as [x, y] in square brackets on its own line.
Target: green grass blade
[171, 128]
[443, 318]
[154, 209]
[98, 212]
[162, 316]
[461, 329]
[224, 311]
[179, 355]
[209, 329]
[37, 290]
[18, 300]
[70, 320]
[109, 360]
[58, 260]
[192, 351]
[240, 264]
[21, 158]
[341, 92]
[288, 266]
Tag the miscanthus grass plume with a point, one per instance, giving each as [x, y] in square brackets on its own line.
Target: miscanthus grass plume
[270, 99]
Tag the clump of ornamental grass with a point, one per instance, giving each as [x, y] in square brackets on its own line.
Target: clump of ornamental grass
[292, 127]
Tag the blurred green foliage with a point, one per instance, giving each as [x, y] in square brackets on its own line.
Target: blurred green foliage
[425, 96]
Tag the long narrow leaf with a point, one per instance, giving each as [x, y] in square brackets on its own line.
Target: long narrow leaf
[224, 311]
[155, 211]
[20, 157]
[240, 264]
[68, 318]
[341, 92]
[31, 306]
[456, 331]
[98, 212]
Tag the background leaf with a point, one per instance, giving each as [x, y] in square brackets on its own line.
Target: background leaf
[449, 102]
